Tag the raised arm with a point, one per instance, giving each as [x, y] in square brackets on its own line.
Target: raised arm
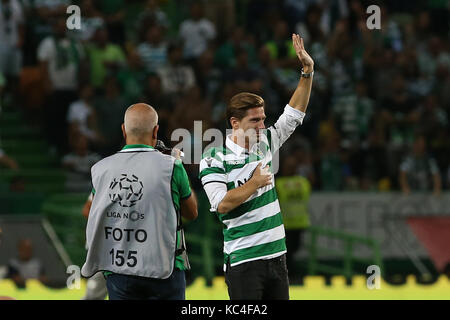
[300, 98]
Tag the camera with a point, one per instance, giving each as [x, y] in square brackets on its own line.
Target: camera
[161, 147]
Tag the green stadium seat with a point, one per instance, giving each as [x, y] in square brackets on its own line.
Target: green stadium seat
[27, 146]
[19, 131]
[35, 180]
[10, 117]
[63, 211]
[21, 203]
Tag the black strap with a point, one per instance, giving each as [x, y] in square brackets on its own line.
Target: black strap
[182, 248]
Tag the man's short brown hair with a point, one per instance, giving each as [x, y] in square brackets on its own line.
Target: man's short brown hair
[241, 102]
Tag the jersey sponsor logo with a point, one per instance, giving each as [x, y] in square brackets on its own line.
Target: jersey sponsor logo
[234, 162]
[240, 182]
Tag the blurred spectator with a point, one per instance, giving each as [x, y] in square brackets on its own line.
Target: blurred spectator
[270, 86]
[418, 84]
[152, 16]
[82, 118]
[374, 58]
[305, 167]
[110, 108]
[295, 11]
[371, 164]
[433, 118]
[12, 35]
[218, 113]
[399, 111]
[40, 17]
[442, 85]
[222, 14]
[435, 54]
[46, 11]
[209, 78]
[419, 171]
[199, 109]
[91, 20]
[312, 28]
[331, 165]
[78, 165]
[176, 78]
[280, 46]
[342, 63]
[154, 96]
[196, 32]
[114, 13]
[390, 31]
[260, 16]
[225, 56]
[293, 192]
[243, 76]
[434, 126]
[7, 161]
[417, 33]
[353, 113]
[153, 51]
[25, 266]
[105, 57]
[132, 78]
[60, 60]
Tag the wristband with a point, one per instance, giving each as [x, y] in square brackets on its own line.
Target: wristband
[306, 75]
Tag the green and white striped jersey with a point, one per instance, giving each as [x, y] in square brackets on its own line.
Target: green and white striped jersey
[254, 230]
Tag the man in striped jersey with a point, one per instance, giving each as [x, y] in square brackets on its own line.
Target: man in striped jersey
[241, 190]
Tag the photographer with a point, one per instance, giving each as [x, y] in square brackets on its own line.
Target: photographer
[134, 232]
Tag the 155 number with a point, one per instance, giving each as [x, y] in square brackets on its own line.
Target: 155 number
[118, 258]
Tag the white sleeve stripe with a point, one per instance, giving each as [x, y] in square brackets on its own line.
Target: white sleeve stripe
[214, 176]
[216, 192]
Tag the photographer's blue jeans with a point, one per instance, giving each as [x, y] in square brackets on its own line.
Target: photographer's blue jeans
[125, 287]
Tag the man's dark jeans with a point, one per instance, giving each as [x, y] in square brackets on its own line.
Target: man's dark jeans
[125, 287]
[258, 280]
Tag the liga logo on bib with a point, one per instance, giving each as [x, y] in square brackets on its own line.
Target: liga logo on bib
[126, 190]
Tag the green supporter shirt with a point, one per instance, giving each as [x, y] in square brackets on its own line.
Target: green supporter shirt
[180, 190]
[111, 53]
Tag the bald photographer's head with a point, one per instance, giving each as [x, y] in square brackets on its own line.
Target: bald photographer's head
[140, 125]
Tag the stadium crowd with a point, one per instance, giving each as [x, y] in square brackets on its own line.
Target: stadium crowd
[378, 117]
